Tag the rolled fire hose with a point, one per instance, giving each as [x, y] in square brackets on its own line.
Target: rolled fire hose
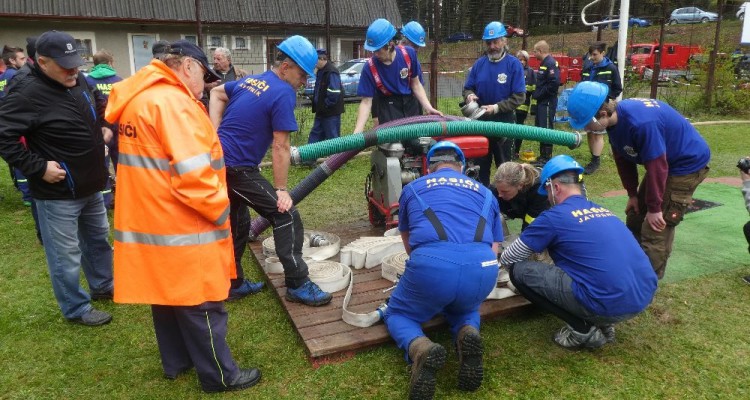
[392, 267]
[316, 245]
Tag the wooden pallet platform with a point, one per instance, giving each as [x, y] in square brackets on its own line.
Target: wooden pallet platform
[323, 331]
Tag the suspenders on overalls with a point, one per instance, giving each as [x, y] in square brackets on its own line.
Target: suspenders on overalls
[376, 75]
[432, 217]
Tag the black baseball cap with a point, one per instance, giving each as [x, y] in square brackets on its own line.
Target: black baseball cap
[31, 46]
[60, 47]
[159, 48]
[185, 48]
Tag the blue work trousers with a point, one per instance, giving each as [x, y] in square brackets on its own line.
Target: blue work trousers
[442, 277]
[325, 128]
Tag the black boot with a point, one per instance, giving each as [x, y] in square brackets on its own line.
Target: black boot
[592, 166]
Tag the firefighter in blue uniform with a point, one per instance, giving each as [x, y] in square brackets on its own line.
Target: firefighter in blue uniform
[600, 275]
[451, 229]
[545, 94]
[497, 83]
[600, 69]
[392, 77]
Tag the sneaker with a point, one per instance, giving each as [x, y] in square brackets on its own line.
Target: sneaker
[107, 295]
[469, 348]
[245, 289]
[746, 279]
[427, 358]
[93, 317]
[568, 338]
[591, 167]
[27, 203]
[308, 294]
[609, 332]
[245, 379]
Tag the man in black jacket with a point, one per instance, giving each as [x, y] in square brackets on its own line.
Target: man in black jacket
[53, 107]
[328, 100]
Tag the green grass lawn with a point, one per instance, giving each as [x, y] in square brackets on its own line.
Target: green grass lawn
[691, 343]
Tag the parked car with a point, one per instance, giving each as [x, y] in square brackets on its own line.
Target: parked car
[350, 72]
[458, 37]
[688, 15]
[741, 11]
[515, 32]
[633, 22]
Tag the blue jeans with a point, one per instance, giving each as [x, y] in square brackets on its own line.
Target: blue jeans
[75, 235]
[550, 288]
[325, 128]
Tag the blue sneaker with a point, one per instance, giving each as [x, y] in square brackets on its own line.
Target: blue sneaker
[308, 294]
[247, 288]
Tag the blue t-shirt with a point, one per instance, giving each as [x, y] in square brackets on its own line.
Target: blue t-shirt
[394, 76]
[493, 82]
[611, 274]
[258, 106]
[457, 201]
[648, 128]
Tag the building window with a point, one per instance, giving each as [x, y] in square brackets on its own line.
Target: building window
[214, 41]
[240, 43]
[85, 44]
[191, 38]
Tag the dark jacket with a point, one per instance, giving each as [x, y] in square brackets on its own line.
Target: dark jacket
[526, 205]
[322, 82]
[605, 72]
[60, 124]
[547, 81]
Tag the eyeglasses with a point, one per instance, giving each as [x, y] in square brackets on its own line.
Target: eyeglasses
[596, 121]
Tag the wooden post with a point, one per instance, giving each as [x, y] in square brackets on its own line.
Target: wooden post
[198, 25]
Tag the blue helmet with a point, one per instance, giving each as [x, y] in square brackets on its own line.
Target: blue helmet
[554, 166]
[379, 34]
[494, 30]
[302, 52]
[415, 33]
[446, 145]
[584, 102]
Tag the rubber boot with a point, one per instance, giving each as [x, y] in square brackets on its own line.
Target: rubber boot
[470, 350]
[427, 358]
[545, 153]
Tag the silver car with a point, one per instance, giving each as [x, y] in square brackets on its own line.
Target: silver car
[689, 15]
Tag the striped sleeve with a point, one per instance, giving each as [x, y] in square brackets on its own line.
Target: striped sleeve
[517, 251]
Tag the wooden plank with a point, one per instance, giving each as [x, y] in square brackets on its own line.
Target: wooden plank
[322, 330]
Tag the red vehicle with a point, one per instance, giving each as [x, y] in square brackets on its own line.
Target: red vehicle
[675, 56]
[515, 32]
[570, 67]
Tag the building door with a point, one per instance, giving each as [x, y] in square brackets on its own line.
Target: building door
[140, 45]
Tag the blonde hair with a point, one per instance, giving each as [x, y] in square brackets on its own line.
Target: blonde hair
[520, 175]
[522, 54]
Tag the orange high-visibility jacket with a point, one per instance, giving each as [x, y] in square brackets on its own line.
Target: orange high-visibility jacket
[172, 237]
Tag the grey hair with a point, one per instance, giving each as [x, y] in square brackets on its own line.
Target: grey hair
[225, 51]
[516, 174]
[522, 53]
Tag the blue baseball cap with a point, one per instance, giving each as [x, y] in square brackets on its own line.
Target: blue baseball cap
[185, 48]
[322, 52]
[60, 47]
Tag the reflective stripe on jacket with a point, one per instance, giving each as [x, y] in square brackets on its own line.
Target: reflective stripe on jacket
[172, 237]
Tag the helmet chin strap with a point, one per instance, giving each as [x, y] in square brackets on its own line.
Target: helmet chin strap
[551, 191]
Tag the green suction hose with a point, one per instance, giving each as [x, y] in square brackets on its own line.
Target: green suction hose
[359, 141]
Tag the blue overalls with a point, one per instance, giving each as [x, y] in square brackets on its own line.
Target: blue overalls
[448, 277]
